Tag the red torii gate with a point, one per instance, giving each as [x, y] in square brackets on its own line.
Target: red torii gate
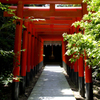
[43, 1]
[35, 33]
[44, 12]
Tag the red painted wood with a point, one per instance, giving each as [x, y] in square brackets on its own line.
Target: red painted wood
[35, 53]
[29, 48]
[17, 45]
[38, 45]
[40, 50]
[50, 30]
[52, 39]
[80, 67]
[45, 37]
[42, 1]
[43, 13]
[88, 74]
[35, 50]
[61, 20]
[24, 53]
[55, 33]
[54, 26]
[41, 56]
[84, 8]
[32, 45]
[76, 66]
[63, 52]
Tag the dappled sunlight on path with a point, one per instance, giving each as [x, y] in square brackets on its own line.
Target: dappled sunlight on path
[52, 85]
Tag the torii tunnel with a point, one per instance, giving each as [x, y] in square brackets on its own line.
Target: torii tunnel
[37, 32]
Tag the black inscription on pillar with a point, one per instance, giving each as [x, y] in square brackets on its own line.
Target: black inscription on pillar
[32, 35]
[29, 32]
[17, 22]
[25, 29]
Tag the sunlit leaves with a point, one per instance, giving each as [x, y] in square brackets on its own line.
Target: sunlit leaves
[78, 43]
[6, 53]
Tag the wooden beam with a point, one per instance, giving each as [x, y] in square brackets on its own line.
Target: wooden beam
[54, 26]
[69, 22]
[51, 36]
[51, 30]
[42, 1]
[49, 33]
[84, 9]
[45, 12]
[52, 39]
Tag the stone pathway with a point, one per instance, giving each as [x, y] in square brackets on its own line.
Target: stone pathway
[52, 85]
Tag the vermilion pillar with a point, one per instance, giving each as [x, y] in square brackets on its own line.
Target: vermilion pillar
[63, 55]
[32, 52]
[24, 57]
[28, 55]
[35, 45]
[75, 65]
[36, 53]
[88, 70]
[81, 76]
[76, 73]
[81, 70]
[89, 85]
[88, 80]
[41, 55]
[38, 45]
[17, 48]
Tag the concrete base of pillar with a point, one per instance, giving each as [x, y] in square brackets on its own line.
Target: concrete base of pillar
[27, 78]
[68, 70]
[31, 74]
[81, 86]
[22, 84]
[15, 90]
[76, 79]
[72, 72]
[36, 69]
[34, 72]
[89, 91]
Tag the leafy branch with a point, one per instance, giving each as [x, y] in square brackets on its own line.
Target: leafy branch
[90, 40]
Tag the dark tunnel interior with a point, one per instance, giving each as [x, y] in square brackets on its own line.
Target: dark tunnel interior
[53, 54]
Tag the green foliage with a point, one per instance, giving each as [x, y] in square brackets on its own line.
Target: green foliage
[90, 40]
[7, 34]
